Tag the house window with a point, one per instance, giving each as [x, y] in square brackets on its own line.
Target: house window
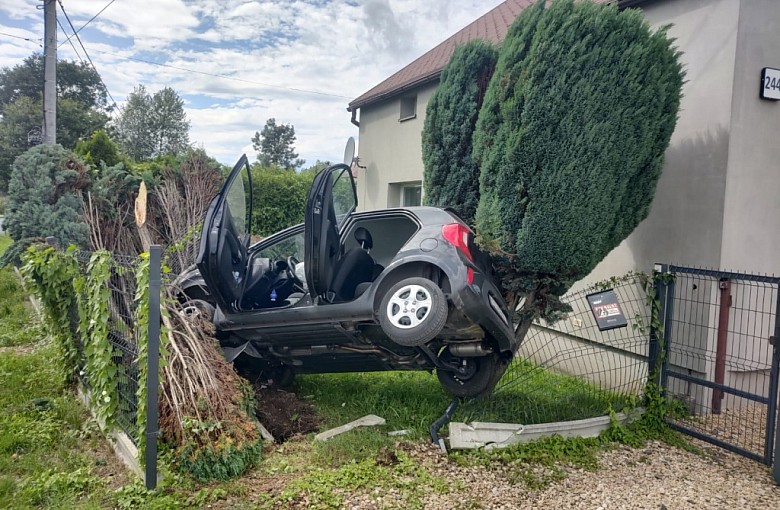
[408, 108]
[411, 195]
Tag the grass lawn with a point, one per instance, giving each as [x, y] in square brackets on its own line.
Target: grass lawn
[5, 242]
[52, 454]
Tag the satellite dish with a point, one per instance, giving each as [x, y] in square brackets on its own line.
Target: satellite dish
[349, 151]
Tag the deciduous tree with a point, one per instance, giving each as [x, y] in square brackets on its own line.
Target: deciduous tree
[77, 81]
[153, 125]
[81, 106]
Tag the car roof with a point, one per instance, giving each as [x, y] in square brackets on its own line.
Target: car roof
[426, 214]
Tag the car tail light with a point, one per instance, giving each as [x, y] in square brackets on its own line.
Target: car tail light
[458, 235]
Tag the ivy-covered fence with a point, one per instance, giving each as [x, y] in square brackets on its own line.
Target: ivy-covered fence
[103, 312]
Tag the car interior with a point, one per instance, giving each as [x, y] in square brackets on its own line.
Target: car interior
[271, 280]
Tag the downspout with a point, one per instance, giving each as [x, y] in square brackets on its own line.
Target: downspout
[354, 119]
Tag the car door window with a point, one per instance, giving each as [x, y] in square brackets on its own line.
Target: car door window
[222, 258]
[343, 196]
[237, 205]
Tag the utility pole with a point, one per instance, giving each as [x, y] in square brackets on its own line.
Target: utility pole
[50, 72]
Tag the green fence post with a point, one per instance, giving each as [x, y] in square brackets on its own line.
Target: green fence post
[654, 351]
[153, 365]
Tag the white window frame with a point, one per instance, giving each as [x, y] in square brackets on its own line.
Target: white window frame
[406, 104]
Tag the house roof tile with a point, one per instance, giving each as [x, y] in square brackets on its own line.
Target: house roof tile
[492, 27]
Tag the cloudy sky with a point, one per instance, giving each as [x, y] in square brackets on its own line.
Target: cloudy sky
[236, 62]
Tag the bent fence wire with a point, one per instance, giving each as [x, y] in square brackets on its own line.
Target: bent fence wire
[721, 363]
[570, 370]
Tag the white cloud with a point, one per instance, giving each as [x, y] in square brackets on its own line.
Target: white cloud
[335, 47]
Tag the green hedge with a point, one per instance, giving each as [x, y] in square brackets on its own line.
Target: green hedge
[279, 198]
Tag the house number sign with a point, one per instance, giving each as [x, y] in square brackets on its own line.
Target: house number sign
[770, 84]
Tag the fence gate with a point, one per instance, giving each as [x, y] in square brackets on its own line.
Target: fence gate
[721, 333]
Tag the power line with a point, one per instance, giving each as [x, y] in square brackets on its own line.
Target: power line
[71, 42]
[178, 68]
[85, 52]
[22, 38]
[88, 22]
[224, 76]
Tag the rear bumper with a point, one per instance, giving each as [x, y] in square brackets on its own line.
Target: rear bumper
[482, 303]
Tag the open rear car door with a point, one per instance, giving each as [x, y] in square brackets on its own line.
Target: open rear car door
[222, 257]
[331, 200]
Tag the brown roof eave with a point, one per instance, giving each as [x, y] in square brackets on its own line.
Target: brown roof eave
[433, 75]
[395, 92]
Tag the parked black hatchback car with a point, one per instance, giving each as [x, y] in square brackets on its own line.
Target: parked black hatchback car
[390, 289]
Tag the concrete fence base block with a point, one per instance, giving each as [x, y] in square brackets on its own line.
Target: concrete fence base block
[370, 420]
[266, 434]
[499, 435]
[123, 446]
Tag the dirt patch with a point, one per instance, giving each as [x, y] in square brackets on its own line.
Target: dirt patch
[284, 414]
[107, 466]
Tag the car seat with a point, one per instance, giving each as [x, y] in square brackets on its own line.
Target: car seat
[356, 266]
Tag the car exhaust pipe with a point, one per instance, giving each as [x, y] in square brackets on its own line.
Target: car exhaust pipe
[470, 350]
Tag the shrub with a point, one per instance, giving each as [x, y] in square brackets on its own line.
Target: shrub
[100, 148]
[571, 140]
[44, 198]
[451, 175]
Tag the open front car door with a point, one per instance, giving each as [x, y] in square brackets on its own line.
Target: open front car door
[222, 258]
[331, 200]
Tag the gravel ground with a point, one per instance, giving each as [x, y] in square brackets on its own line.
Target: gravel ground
[743, 426]
[657, 476]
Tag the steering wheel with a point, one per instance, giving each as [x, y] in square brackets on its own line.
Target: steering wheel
[291, 263]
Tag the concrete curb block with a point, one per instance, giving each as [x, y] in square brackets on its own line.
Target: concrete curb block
[124, 448]
[499, 435]
[370, 420]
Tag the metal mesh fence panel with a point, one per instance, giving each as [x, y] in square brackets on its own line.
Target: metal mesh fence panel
[720, 359]
[179, 257]
[122, 335]
[571, 370]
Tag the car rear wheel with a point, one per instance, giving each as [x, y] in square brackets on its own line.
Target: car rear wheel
[413, 312]
[472, 376]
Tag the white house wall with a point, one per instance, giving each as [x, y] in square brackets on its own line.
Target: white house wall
[685, 224]
[751, 233]
[716, 204]
[390, 149]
